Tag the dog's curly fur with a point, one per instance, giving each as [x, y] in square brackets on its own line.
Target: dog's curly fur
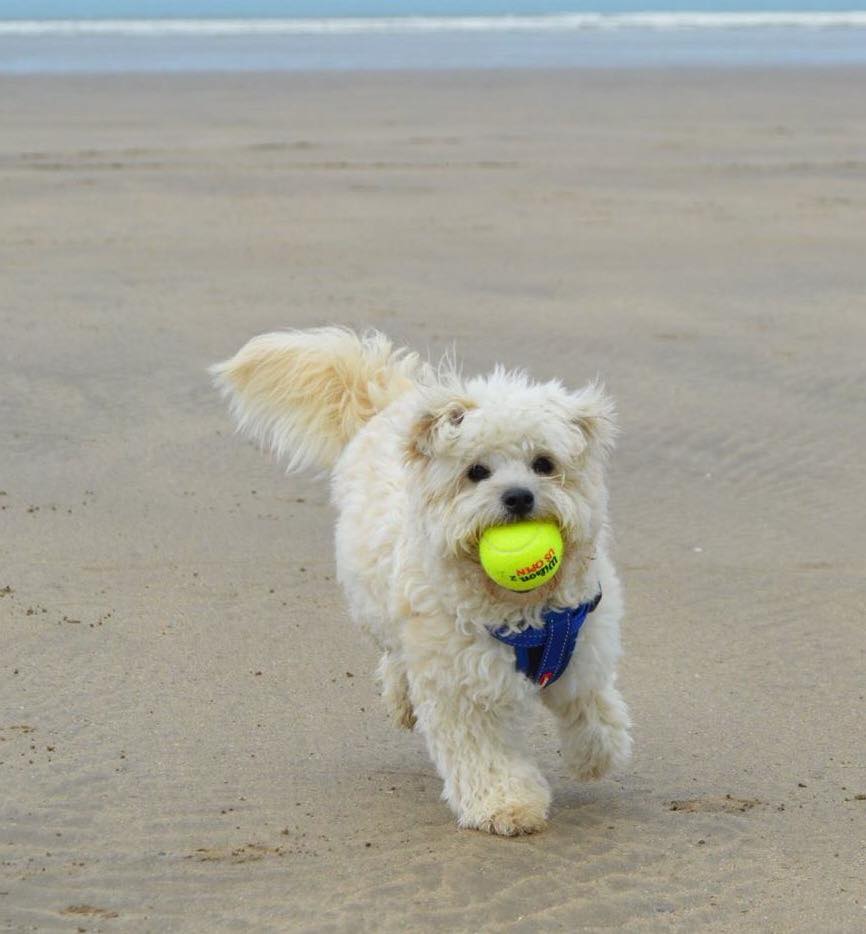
[399, 436]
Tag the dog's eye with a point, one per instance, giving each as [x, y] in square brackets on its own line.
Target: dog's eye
[477, 473]
[543, 465]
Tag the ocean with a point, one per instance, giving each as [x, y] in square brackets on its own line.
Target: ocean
[110, 36]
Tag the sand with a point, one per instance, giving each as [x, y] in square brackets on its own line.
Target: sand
[190, 737]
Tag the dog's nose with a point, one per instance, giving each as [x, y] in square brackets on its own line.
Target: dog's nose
[518, 501]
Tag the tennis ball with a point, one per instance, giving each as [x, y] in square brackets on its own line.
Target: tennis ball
[521, 556]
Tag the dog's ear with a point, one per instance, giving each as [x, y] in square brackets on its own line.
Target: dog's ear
[437, 424]
[593, 413]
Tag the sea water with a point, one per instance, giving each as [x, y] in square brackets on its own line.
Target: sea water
[68, 36]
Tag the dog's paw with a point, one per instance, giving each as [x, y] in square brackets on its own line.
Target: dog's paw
[395, 692]
[512, 814]
[512, 820]
[404, 715]
[598, 751]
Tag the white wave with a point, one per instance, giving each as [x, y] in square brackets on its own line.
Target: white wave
[561, 22]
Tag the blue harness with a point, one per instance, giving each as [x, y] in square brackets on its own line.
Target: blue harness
[543, 654]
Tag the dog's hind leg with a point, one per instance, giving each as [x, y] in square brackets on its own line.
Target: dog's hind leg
[395, 689]
[593, 728]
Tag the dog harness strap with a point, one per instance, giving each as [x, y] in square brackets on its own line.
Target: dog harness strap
[543, 654]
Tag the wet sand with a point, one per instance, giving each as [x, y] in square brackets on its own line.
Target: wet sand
[190, 737]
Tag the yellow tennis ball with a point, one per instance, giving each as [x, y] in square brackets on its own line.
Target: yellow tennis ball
[521, 556]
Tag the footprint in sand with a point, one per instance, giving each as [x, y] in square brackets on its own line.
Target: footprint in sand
[715, 803]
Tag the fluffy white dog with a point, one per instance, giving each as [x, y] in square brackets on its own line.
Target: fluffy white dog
[423, 462]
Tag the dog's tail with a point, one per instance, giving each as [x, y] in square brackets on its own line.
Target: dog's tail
[305, 394]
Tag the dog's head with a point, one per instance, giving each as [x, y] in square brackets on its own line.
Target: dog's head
[502, 448]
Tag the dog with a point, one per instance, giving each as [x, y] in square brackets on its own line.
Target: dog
[422, 461]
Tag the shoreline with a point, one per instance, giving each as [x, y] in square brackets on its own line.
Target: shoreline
[430, 52]
[662, 72]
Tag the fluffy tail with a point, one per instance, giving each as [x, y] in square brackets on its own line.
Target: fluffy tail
[304, 394]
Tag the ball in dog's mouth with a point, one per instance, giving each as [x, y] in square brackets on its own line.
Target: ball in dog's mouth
[521, 556]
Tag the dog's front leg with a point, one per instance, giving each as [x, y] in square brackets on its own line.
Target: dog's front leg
[469, 705]
[593, 727]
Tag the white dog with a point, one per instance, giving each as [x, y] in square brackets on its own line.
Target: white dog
[423, 462]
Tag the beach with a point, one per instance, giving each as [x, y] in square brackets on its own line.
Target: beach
[190, 733]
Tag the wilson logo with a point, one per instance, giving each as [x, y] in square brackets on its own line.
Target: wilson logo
[540, 568]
